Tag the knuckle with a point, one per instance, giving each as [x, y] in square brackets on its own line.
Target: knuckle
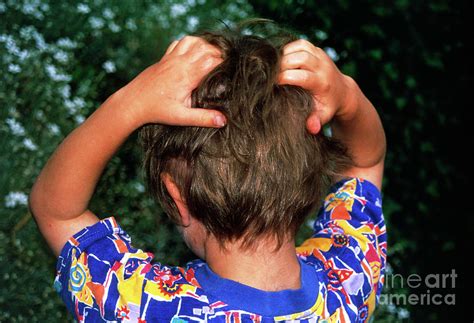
[304, 56]
[204, 45]
[306, 77]
[324, 84]
[207, 62]
[189, 38]
[303, 42]
[318, 52]
[319, 49]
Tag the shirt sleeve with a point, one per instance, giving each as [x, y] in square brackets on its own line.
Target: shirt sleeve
[98, 270]
[349, 245]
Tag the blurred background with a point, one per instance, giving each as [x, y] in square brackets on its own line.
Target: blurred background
[60, 59]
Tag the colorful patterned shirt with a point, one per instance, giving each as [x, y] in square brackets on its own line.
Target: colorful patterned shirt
[101, 277]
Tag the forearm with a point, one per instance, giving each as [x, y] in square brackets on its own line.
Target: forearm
[359, 127]
[67, 182]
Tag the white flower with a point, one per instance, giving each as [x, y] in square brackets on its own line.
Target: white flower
[30, 32]
[130, 24]
[114, 27]
[10, 44]
[403, 313]
[327, 130]
[331, 53]
[66, 43]
[83, 8]
[139, 187]
[54, 128]
[70, 106]
[44, 6]
[3, 38]
[192, 22]
[96, 22]
[232, 7]
[15, 127]
[23, 54]
[321, 35]
[26, 32]
[32, 7]
[40, 43]
[392, 308]
[29, 144]
[79, 119]
[109, 67]
[107, 13]
[14, 68]
[80, 102]
[245, 31]
[65, 91]
[53, 73]
[61, 56]
[73, 106]
[39, 114]
[16, 198]
[178, 10]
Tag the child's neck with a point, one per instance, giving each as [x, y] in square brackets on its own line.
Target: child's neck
[261, 268]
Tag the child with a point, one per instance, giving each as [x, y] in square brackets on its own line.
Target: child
[238, 180]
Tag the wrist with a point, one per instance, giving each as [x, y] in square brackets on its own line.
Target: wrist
[351, 101]
[127, 110]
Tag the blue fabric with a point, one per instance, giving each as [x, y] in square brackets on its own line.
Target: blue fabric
[257, 301]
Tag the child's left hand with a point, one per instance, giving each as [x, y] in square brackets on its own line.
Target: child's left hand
[308, 66]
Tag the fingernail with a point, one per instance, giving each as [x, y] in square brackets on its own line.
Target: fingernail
[219, 120]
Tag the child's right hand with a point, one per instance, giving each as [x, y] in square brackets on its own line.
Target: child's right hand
[162, 92]
[308, 66]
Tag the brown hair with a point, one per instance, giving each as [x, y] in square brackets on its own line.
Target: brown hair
[262, 173]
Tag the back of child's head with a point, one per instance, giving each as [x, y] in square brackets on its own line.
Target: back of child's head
[261, 174]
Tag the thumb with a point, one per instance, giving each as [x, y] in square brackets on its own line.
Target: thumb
[185, 116]
[313, 123]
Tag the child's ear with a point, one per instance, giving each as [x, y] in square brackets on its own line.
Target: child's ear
[175, 194]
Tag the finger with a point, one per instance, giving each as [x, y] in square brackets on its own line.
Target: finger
[313, 123]
[201, 67]
[203, 46]
[299, 60]
[324, 115]
[302, 45]
[202, 51]
[188, 42]
[208, 63]
[184, 116]
[171, 47]
[303, 78]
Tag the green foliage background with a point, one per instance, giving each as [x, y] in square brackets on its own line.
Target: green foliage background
[59, 60]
